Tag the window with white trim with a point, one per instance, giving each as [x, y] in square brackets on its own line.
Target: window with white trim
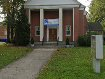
[37, 30]
[68, 30]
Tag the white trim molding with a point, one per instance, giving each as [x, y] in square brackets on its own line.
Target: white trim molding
[60, 24]
[29, 16]
[41, 24]
[51, 6]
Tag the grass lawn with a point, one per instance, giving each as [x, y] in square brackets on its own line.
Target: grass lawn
[10, 54]
[71, 63]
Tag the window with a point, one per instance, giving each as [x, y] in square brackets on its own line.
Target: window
[37, 31]
[68, 30]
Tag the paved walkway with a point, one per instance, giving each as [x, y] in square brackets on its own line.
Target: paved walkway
[27, 67]
[1, 43]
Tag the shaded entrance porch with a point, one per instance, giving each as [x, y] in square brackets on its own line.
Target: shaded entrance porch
[47, 33]
[60, 25]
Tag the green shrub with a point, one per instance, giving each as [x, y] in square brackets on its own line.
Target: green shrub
[32, 41]
[22, 30]
[67, 41]
[85, 40]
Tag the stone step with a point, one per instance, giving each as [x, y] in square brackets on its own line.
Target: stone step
[51, 44]
[47, 45]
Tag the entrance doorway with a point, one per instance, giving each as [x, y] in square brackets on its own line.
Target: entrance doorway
[52, 34]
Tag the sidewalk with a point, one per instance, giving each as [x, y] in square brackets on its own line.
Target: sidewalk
[27, 67]
[1, 43]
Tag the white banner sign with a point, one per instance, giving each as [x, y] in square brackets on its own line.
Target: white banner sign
[51, 22]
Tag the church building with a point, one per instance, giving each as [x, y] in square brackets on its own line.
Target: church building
[52, 20]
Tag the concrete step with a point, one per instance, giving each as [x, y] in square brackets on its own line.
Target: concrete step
[47, 45]
[50, 43]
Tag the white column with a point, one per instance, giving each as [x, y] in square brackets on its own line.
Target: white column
[29, 16]
[47, 34]
[57, 32]
[73, 24]
[41, 24]
[60, 24]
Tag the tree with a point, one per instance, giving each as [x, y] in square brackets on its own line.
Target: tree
[22, 32]
[10, 8]
[97, 11]
[16, 20]
[6, 5]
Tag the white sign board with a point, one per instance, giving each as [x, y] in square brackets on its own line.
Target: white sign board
[97, 51]
[97, 46]
[51, 22]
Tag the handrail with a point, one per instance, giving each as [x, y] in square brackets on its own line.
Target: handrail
[57, 41]
[42, 40]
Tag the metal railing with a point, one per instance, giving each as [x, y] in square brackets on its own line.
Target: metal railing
[57, 41]
[42, 41]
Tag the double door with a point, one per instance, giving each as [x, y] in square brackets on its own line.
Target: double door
[52, 34]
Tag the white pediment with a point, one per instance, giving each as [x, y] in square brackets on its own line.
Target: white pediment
[52, 2]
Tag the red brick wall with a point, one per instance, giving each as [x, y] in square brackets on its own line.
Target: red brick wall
[3, 31]
[45, 33]
[35, 21]
[51, 14]
[76, 23]
[85, 24]
[67, 20]
[79, 23]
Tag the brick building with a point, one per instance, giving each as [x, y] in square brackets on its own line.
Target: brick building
[3, 32]
[56, 19]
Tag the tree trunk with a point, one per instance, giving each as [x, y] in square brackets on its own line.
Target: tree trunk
[8, 29]
[12, 24]
[12, 33]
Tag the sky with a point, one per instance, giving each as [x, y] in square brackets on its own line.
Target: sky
[84, 2]
[1, 16]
